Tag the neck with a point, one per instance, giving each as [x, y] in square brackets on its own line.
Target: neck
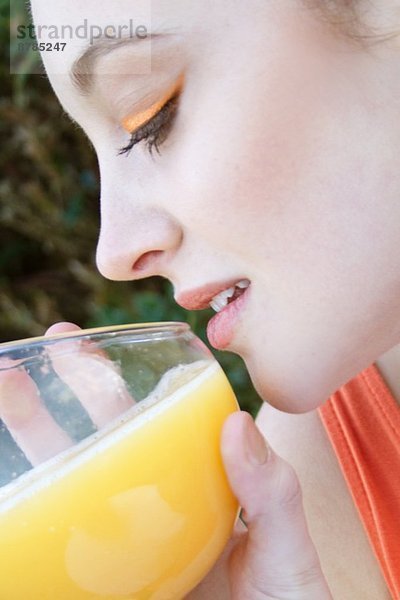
[389, 367]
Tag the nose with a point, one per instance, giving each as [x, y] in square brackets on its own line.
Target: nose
[134, 245]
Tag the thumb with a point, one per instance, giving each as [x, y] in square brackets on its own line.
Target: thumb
[276, 558]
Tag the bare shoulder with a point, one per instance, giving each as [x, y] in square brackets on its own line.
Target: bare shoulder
[345, 553]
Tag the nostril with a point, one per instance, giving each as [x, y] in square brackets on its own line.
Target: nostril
[145, 260]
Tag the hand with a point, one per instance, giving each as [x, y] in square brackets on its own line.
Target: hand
[272, 556]
[87, 372]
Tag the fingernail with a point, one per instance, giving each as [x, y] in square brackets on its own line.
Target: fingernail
[257, 448]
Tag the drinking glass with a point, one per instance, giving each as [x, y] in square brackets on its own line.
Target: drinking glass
[111, 480]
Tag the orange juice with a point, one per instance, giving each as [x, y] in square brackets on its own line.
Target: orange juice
[141, 510]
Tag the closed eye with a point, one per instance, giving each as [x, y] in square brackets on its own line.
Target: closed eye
[156, 130]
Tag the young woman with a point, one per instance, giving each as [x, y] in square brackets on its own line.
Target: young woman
[259, 157]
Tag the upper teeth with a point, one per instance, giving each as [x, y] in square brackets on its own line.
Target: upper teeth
[221, 300]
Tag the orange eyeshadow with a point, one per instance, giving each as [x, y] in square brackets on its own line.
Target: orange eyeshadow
[132, 122]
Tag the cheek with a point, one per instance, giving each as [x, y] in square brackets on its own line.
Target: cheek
[240, 171]
[304, 213]
[252, 164]
[294, 189]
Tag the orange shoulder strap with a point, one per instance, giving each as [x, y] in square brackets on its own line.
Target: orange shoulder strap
[362, 420]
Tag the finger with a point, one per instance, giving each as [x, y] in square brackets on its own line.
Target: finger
[27, 419]
[91, 375]
[96, 383]
[277, 554]
[62, 327]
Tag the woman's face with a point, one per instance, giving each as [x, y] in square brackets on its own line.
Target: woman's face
[281, 166]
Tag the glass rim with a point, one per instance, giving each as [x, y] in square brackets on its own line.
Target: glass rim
[98, 332]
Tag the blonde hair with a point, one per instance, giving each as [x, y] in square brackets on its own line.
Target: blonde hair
[342, 15]
[348, 18]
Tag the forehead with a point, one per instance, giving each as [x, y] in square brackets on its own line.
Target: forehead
[220, 40]
[206, 22]
[195, 26]
[78, 25]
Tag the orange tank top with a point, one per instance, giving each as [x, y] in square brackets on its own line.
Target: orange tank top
[362, 420]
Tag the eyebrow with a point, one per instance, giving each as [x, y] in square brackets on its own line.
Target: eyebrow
[82, 69]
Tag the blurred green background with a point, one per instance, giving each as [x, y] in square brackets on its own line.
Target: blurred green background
[49, 221]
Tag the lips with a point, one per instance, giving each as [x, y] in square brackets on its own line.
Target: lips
[200, 298]
[221, 328]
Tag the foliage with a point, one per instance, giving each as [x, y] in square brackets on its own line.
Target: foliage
[49, 224]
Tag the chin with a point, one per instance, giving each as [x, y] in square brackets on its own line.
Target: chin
[287, 393]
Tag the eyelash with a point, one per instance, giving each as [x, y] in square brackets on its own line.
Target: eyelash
[156, 130]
